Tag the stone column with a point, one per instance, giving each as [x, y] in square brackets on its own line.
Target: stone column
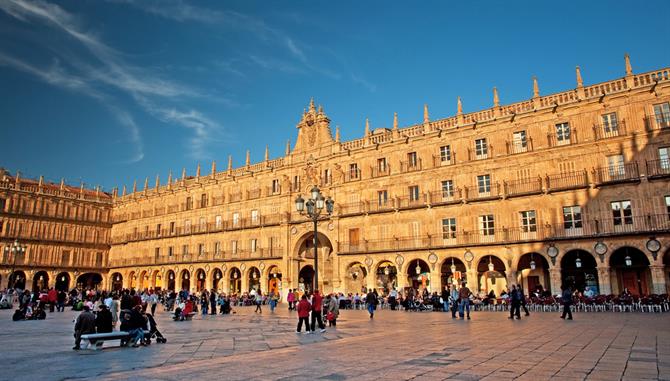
[604, 283]
[435, 281]
[555, 280]
[658, 279]
[370, 278]
[245, 281]
[473, 280]
[511, 278]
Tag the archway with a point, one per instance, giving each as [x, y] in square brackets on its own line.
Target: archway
[17, 280]
[355, 278]
[630, 268]
[117, 282]
[452, 272]
[132, 277]
[254, 279]
[274, 280]
[491, 275]
[89, 281]
[418, 275]
[143, 281]
[156, 280]
[533, 274]
[200, 280]
[171, 282]
[386, 277]
[306, 278]
[579, 271]
[185, 280]
[235, 281]
[304, 250]
[40, 281]
[216, 278]
[63, 282]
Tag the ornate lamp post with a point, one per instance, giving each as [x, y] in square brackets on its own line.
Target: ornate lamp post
[15, 248]
[312, 209]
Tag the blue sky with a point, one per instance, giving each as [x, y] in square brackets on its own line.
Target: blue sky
[108, 92]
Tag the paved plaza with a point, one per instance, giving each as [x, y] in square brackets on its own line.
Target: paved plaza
[396, 345]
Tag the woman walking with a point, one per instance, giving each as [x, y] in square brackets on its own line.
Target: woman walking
[259, 301]
[332, 310]
[290, 298]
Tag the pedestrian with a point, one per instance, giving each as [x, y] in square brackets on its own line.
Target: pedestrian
[515, 298]
[103, 320]
[259, 301]
[52, 297]
[445, 299]
[464, 297]
[393, 299]
[85, 324]
[303, 309]
[290, 298]
[371, 301]
[153, 299]
[333, 310]
[212, 302]
[523, 299]
[317, 314]
[60, 300]
[204, 302]
[454, 301]
[566, 298]
[115, 309]
[272, 300]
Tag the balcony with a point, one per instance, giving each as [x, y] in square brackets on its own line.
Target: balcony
[658, 169]
[523, 187]
[567, 181]
[660, 121]
[516, 147]
[411, 202]
[439, 161]
[380, 171]
[410, 166]
[260, 253]
[378, 206]
[235, 197]
[253, 194]
[443, 197]
[617, 174]
[602, 131]
[352, 175]
[351, 208]
[568, 138]
[473, 193]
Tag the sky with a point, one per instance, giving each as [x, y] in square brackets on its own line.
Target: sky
[109, 92]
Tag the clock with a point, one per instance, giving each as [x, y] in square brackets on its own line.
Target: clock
[399, 260]
[469, 256]
[368, 261]
[600, 248]
[552, 251]
[653, 245]
[432, 258]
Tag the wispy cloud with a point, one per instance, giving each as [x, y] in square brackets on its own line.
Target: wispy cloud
[145, 87]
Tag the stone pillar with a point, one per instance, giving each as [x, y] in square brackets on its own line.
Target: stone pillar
[435, 281]
[473, 280]
[512, 278]
[245, 282]
[370, 278]
[555, 280]
[604, 283]
[658, 279]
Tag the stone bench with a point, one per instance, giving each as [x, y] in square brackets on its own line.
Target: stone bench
[97, 339]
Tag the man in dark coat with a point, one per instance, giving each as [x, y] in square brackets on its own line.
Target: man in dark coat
[212, 302]
[566, 298]
[103, 322]
[515, 298]
[85, 324]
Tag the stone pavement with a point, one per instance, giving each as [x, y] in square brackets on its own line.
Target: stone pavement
[396, 345]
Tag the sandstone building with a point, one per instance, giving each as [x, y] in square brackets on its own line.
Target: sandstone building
[568, 187]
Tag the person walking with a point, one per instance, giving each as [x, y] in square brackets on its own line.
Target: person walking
[60, 298]
[85, 324]
[115, 309]
[153, 300]
[464, 297]
[566, 298]
[371, 301]
[317, 314]
[445, 299]
[393, 299]
[303, 309]
[453, 299]
[272, 300]
[259, 301]
[212, 302]
[333, 310]
[515, 298]
[204, 302]
[523, 299]
[290, 298]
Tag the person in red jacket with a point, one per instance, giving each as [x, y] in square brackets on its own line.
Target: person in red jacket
[317, 315]
[52, 296]
[303, 313]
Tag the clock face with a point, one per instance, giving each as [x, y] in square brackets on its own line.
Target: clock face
[653, 245]
[600, 248]
[432, 258]
[469, 256]
[399, 260]
[552, 251]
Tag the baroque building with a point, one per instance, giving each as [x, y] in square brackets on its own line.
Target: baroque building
[570, 187]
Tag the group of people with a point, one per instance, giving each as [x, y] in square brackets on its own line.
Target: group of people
[313, 304]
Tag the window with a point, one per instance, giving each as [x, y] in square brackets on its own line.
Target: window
[381, 165]
[187, 226]
[484, 185]
[172, 226]
[622, 213]
[354, 236]
[487, 225]
[528, 221]
[667, 205]
[615, 165]
[412, 160]
[157, 252]
[327, 176]
[217, 247]
[254, 216]
[275, 186]
[158, 230]
[353, 171]
[662, 115]
[445, 154]
[447, 189]
[383, 232]
[233, 246]
[201, 249]
[189, 203]
[572, 217]
[414, 193]
[414, 229]
[382, 198]
[236, 219]
[296, 183]
[184, 249]
[252, 245]
[170, 251]
[610, 125]
[203, 223]
[218, 222]
[203, 200]
[664, 157]
[3, 204]
[563, 133]
[448, 228]
[519, 142]
[481, 149]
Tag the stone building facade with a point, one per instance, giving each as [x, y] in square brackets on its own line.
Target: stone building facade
[63, 232]
[562, 188]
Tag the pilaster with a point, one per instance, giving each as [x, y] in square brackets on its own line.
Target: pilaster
[555, 280]
[604, 280]
[658, 279]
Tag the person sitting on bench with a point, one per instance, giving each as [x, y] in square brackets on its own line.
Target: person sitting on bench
[136, 326]
[103, 321]
[85, 324]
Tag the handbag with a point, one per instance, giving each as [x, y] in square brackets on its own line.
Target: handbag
[330, 316]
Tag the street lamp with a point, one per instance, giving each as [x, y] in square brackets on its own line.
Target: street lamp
[15, 248]
[315, 206]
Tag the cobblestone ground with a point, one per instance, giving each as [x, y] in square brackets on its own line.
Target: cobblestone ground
[396, 345]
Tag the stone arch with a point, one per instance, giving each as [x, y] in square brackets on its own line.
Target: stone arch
[116, 281]
[132, 280]
[156, 280]
[355, 278]
[306, 278]
[418, 280]
[533, 273]
[274, 280]
[40, 281]
[171, 279]
[386, 276]
[63, 281]
[254, 278]
[200, 280]
[304, 244]
[491, 274]
[452, 277]
[89, 280]
[234, 280]
[143, 280]
[630, 269]
[216, 276]
[579, 270]
[17, 280]
[185, 280]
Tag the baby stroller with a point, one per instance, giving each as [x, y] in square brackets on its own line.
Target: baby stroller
[154, 333]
